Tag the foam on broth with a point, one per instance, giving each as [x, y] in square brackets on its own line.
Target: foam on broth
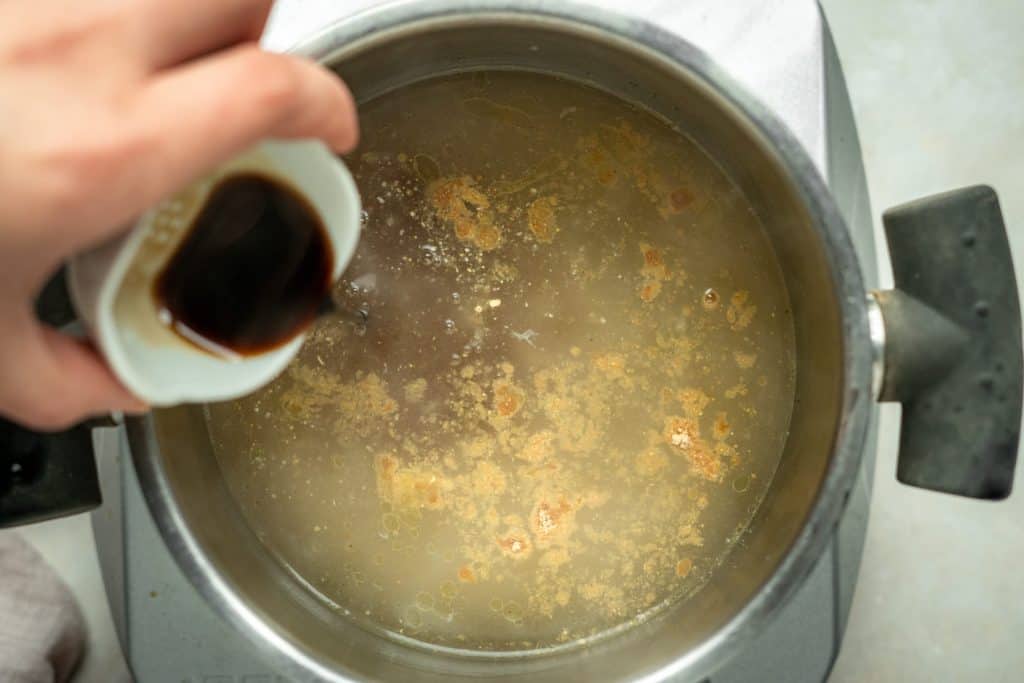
[573, 391]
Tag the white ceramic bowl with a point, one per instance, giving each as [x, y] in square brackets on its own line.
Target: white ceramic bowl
[112, 285]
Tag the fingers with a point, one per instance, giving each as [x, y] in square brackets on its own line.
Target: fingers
[51, 381]
[174, 31]
[201, 114]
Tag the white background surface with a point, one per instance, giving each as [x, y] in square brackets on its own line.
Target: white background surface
[938, 92]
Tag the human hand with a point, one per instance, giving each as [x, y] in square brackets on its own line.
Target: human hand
[106, 107]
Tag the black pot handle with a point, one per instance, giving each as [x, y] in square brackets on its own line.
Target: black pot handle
[44, 476]
[952, 343]
[47, 475]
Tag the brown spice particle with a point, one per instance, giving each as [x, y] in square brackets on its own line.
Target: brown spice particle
[552, 520]
[515, 543]
[411, 487]
[606, 175]
[538, 447]
[721, 428]
[650, 291]
[684, 435]
[694, 402]
[459, 202]
[740, 313]
[679, 199]
[736, 390]
[611, 364]
[508, 399]
[654, 267]
[540, 217]
[745, 360]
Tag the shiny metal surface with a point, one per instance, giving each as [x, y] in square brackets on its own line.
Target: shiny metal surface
[774, 48]
[876, 330]
[225, 562]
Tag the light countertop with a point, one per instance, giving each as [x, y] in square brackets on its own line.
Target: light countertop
[938, 92]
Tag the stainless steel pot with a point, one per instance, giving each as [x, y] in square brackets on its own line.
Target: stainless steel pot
[919, 345]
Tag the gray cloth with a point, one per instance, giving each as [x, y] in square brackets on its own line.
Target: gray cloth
[41, 629]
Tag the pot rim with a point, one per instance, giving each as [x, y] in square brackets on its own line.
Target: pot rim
[850, 432]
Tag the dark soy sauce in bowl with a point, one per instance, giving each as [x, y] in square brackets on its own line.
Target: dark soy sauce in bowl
[252, 272]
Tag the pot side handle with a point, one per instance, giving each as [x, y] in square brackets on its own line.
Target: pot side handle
[47, 475]
[952, 343]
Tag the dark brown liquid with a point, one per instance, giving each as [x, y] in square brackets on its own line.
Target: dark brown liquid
[252, 271]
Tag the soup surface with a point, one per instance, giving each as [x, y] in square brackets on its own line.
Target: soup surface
[573, 389]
